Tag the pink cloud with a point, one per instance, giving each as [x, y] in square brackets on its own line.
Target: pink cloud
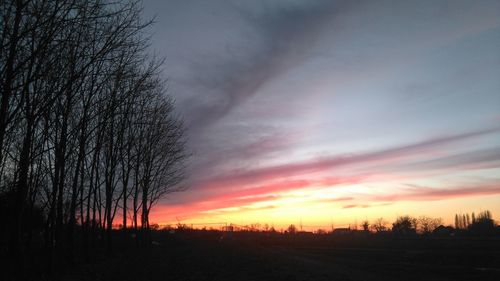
[338, 199]
[356, 206]
[240, 198]
[242, 188]
[421, 193]
[239, 177]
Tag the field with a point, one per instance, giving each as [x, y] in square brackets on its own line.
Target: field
[251, 256]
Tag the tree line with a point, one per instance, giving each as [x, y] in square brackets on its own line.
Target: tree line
[480, 224]
[87, 133]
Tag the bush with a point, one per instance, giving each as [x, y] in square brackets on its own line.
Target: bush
[405, 225]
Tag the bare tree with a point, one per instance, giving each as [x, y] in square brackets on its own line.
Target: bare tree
[379, 225]
[85, 125]
[426, 224]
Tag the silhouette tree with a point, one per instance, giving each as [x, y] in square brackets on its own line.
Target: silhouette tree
[404, 225]
[366, 225]
[483, 224]
[426, 225]
[379, 225]
[85, 125]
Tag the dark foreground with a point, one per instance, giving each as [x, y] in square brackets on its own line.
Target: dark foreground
[207, 256]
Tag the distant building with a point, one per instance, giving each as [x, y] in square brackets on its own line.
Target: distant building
[444, 231]
[342, 231]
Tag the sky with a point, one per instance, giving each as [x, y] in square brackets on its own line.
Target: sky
[332, 112]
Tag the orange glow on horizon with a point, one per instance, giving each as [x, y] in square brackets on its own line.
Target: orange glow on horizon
[320, 208]
[429, 177]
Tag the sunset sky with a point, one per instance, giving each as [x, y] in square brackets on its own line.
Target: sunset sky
[332, 112]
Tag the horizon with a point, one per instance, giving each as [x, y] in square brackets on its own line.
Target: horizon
[303, 224]
[332, 110]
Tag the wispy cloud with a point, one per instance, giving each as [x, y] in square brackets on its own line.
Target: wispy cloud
[424, 193]
[376, 166]
[329, 162]
[283, 34]
[355, 206]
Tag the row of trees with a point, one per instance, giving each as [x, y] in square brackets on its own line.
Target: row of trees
[464, 221]
[482, 223]
[86, 132]
[422, 224]
[403, 225]
[478, 224]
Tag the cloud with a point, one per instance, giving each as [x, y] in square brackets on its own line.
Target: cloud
[246, 150]
[364, 206]
[223, 198]
[238, 209]
[356, 206]
[477, 159]
[240, 178]
[423, 193]
[282, 35]
[334, 200]
[250, 45]
[395, 163]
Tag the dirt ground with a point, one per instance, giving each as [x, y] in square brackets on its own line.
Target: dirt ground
[212, 256]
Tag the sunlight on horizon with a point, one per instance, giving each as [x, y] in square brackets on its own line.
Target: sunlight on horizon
[315, 212]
